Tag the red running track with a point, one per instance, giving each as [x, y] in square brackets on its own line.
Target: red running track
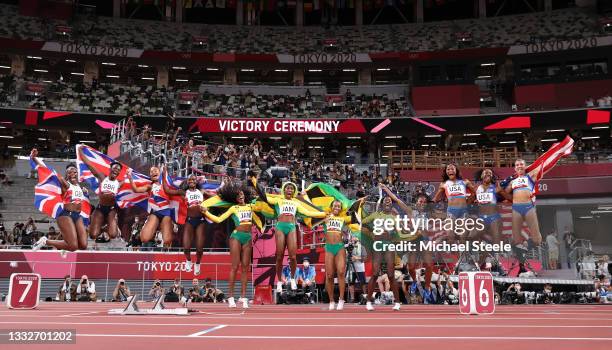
[271, 327]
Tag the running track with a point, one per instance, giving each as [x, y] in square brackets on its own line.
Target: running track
[299, 327]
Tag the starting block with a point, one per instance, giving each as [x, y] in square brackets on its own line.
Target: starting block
[158, 308]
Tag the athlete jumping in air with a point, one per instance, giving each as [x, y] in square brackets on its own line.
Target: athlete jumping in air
[69, 220]
[159, 207]
[195, 225]
[240, 239]
[286, 208]
[106, 211]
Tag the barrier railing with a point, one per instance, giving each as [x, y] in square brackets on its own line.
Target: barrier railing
[139, 276]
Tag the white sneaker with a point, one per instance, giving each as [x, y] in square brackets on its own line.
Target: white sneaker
[293, 284]
[188, 266]
[231, 302]
[279, 287]
[340, 305]
[40, 243]
[332, 306]
[245, 303]
[196, 269]
[369, 306]
[396, 307]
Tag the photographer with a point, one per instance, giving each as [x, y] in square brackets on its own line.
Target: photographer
[156, 290]
[86, 289]
[135, 242]
[122, 291]
[196, 292]
[356, 255]
[175, 293]
[67, 291]
[212, 295]
[513, 295]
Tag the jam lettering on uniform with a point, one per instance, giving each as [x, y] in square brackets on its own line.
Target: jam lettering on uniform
[335, 224]
[244, 215]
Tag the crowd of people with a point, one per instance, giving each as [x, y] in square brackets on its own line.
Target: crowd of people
[496, 31]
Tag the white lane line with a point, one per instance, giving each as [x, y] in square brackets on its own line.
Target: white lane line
[206, 331]
[453, 318]
[403, 325]
[82, 313]
[340, 337]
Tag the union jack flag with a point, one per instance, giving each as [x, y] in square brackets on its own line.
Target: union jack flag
[48, 193]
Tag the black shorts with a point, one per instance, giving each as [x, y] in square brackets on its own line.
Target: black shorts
[74, 215]
[106, 209]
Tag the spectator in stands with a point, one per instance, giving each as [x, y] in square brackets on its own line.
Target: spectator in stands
[568, 238]
[196, 292]
[212, 294]
[86, 290]
[594, 152]
[30, 226]
[589, 102]
[4, 179]
[604, 267]
[67, 291]
[122, 291]
[451, 294]
[175, 292]
[156, 290]
[553, 250]
[306, 277]
[547, 294]
[135, 235]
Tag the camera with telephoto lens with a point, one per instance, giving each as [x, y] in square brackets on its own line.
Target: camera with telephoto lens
[349, 246]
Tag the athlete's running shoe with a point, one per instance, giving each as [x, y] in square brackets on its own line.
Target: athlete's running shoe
[332, 305]
[40, 243]
[188, 266]
[231, 302]
[279, 287]
[369, 306]
[245, 303]
[396, 307]
[196, 269]
[340, 305]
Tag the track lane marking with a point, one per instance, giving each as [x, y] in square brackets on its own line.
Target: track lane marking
[206, 331]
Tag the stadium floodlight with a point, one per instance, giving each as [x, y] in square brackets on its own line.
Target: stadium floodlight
[81, 132]
[35, 57]
[7, 67]
[147, 78]
[590, 137]
[87, 141]
[383, 69]
[600, 127]
[281, 70]
[484, 77]
[247, 70]
[74, 73]
[316, 138]
[314, 70]
[507, 142]
[354, 137]
[586, 217]
[112, 76]
[487, 64]
[143, 66]
[555, 130]
[41, 70]
[550, 140]
[42, 139]
[6, 137]
[393, 137]
[212, 69]
[275, 138]
[433, 135]
[179, 67]
[468, 135]
[109, 64]
[349, 70]
[513, 132]
[15, 147]
[183, 80]
[389, 146]
[71, 61]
